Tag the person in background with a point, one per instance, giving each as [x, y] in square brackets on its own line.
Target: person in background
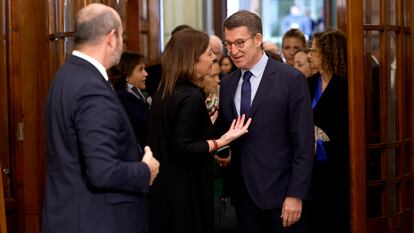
[181, 135]
[155, 71]
[329, 94]
[292, 41]
[226, 66]
[297, 19]
[216, 46]
[210, 84]
[97, 175]
[224, 216]
[128, 78]
[275, 56]
[271, 165]
[269, 46]
[272, 50]
[302, 62]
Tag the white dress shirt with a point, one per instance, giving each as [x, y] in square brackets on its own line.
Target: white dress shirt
[257, 71]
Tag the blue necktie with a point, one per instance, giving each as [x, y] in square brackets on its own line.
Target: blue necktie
[246, 93]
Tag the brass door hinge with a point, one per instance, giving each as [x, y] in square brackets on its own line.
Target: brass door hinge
[20, 131]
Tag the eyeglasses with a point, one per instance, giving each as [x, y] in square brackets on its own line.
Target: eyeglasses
[312, 50]
[238, 43]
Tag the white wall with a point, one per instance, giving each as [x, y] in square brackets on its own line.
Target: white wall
[177, 12]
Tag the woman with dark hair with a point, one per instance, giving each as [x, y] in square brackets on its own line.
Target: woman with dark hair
[329, 93]
[181, 136]
[128, 78]
[226, 65]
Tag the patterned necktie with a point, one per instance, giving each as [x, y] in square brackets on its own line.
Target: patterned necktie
[139, 94]
[246, 93]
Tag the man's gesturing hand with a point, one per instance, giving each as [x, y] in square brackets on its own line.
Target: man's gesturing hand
[151, 162]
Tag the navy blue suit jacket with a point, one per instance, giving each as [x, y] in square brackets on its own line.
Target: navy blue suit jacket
[95, 182]
[137, 111]
[275, 157]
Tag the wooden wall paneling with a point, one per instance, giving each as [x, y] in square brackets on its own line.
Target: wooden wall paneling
[342, 9]
[342, 14]
[142, 28]
[28, 86]
[357, 139]
[33, 91]
[6, 126]
[401, 124]
[15, 113]
[219, 16]
[3, 224]
[411, 101]
[154, 52]
[327, 8]
[132, 26]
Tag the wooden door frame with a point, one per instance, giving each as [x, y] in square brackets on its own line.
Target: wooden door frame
[412, 113]
[15, 113]
[350, 20]
[143, 28]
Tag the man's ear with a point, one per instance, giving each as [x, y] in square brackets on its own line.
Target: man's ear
[110, 38]
[258, 38]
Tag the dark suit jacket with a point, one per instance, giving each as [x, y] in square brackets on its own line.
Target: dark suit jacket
[94, 180]
[275, 157]
[137, 111]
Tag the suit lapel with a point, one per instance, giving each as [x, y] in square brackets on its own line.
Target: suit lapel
[269, 75]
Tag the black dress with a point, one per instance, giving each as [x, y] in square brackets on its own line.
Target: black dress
[181, 197]
[330, 181]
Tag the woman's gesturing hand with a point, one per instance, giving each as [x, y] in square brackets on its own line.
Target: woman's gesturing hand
[237, 128]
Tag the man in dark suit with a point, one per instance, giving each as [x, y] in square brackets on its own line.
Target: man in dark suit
[271, 165]
[95, 181]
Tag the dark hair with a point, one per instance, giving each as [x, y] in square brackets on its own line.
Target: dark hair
[333, 49]
[92, 23]
[180, 57]
[294, 33]
[225, 56]
[244, 18]
[179, 28]
[274, 55]
[120, 73]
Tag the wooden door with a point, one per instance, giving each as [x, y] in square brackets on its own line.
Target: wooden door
[5, 153]
[143, 28]
[28, 84]
[380, 52]
[10, 121]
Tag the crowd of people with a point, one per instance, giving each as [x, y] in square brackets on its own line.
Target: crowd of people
[137, 151]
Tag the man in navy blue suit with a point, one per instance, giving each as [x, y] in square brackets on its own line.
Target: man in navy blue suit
[97, 174]
[271, 165]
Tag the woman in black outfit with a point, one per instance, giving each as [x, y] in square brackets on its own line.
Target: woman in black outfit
[181, 137]
[329, 93]
[128, 78]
